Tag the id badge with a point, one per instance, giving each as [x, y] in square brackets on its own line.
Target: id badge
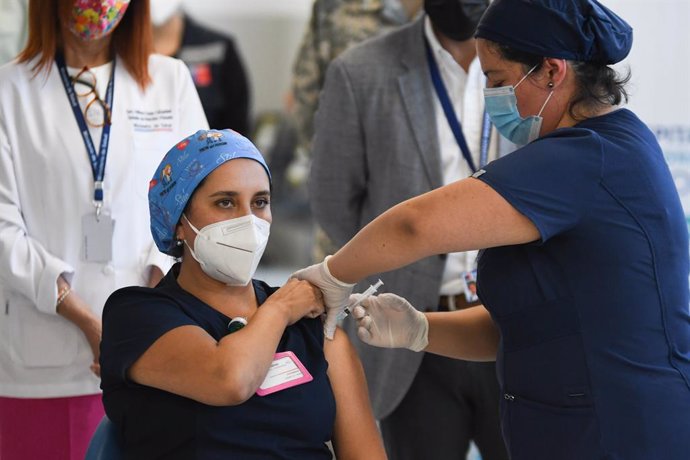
[97, 237]
[470, 282]
[286, 371]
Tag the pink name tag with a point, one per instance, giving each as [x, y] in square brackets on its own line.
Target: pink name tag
[286, 371]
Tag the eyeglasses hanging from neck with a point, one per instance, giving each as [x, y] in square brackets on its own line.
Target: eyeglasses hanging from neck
[96, 112]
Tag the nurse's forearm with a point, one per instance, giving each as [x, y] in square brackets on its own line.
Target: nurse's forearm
[468, 334]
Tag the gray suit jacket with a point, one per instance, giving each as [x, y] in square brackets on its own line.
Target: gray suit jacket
[375, 145]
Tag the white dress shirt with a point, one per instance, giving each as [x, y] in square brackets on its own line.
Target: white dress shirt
[465, 90]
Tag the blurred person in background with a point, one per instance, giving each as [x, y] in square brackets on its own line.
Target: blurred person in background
[400, 115]
[213, 363]
[334, 26]
[13, 28]
[213, 60]
[85, 114]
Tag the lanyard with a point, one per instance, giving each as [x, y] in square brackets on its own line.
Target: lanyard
[486, 140]
[453, 121]
[97, 159]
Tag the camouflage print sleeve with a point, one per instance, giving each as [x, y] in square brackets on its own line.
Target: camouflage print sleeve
[309, 71]
[335, 26]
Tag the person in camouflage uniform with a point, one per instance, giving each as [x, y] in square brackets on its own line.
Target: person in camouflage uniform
[334, 26]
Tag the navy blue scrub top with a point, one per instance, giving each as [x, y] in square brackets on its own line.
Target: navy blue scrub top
[294, 423]
[594, 360]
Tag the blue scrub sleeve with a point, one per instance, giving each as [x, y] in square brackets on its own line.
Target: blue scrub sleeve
[133, 319]
[552, 180]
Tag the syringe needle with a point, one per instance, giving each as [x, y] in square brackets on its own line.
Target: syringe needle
[370, 290]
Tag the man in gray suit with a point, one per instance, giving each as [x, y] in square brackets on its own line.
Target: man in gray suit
[382, 136]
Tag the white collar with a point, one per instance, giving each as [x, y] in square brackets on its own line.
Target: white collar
[443, 58]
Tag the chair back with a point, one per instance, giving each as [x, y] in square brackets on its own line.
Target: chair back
[104, 444]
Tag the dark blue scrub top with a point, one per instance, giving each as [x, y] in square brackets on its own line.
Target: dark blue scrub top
[595, 355]
[294, 423]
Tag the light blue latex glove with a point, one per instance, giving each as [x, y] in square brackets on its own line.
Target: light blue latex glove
[336, 294]
[389, 321]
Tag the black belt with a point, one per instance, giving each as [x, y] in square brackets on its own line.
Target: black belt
[455, 302]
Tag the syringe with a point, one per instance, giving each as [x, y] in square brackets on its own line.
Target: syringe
[370, 290]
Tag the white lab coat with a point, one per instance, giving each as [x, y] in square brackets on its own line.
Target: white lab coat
[46, 186]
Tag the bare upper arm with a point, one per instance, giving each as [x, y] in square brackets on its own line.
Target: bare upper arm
[468, 214]
[183, 361]
[355, 435]
[462, 216]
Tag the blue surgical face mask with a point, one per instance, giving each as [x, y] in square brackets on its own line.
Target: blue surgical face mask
[501, 105]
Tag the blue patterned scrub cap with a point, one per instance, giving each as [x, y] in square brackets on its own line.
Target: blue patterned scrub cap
[183, 168]
[578, 30]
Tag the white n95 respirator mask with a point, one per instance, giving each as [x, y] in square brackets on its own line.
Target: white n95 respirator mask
[229, 251]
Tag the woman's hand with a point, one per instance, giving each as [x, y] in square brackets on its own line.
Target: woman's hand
[335, 292]
[389, 321]
[297, 299]
[74, 309]
[188, 362]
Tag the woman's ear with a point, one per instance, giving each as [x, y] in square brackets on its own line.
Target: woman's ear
[555, 71]
[179, 231]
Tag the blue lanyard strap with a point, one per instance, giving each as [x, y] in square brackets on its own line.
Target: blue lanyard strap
[453, 121]
[486, 140]
[99, 158]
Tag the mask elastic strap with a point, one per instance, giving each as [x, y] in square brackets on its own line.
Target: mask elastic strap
[549, 97]
[196, 230]
[550, 94]
[521, 80]
[191, 251]
[543, 106]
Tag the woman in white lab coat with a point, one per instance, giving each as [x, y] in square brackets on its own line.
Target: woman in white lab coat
[86, 113]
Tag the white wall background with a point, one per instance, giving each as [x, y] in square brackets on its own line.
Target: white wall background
[267, 33]
[660, 58]
[660, 64]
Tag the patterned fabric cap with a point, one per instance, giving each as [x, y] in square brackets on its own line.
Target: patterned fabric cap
[179, 174]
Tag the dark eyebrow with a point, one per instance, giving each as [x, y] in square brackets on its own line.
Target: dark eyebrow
[223, 193]
[229, 193]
